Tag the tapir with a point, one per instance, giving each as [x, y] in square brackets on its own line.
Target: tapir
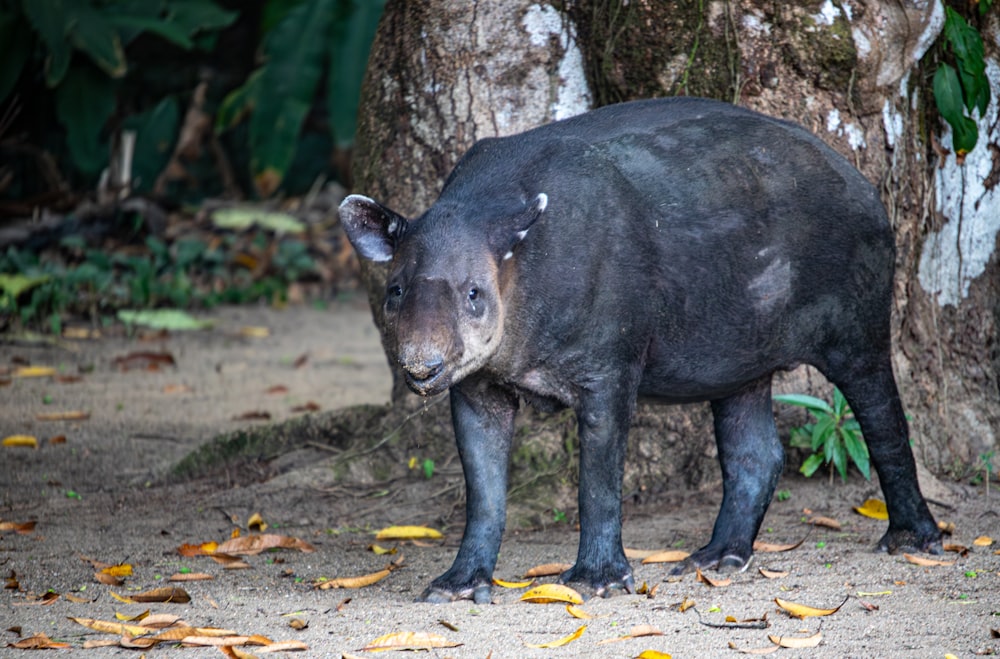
[678, 249]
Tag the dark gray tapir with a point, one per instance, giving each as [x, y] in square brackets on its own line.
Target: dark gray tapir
[679, 249]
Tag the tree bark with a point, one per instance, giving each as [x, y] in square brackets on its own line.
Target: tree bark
[444, 73]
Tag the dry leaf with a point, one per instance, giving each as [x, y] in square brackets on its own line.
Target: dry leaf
[71, 415]
[512, 584]
[803, 611]
[948, 528]
[379, 550]
[112, 627]
[547, 570]
[686, 604]
[772, 574]
[771, 547]
[551, 593]
[107, 579]
[298, 624]
[255, 544]
[308, 406]
[18, 527]
[57, 439]
[149, 361]
[39, 642]
[177, 389]
[355, 582]
[796, 641]
[715, 583]
[653, 654]
[768, 650]
[926, 562]
[22, 441]
[171, 594]
[120, 570]
[409, 641]
[961, 550]
[190, 576]
[636, 632]
[277, 389]
[559, 642]
[204, 549]
[253, 415]
[632, 554]
[408, 533]
[256, 332]
[283, 646]
[874, 508]
[668, 556]
[983, 541]
[828, 522]
[33, 372]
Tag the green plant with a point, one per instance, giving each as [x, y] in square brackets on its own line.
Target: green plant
[304, 40]
[985, 466]
[79, 45]
[833, 437]
[960, 90]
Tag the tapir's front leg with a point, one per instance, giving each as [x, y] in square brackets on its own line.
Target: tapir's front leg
[483, 415]
[604, 422]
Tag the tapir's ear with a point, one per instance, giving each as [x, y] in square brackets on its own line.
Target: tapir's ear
[372, 228]
[517, 228]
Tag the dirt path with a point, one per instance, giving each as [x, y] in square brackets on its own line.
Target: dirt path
[99, 495]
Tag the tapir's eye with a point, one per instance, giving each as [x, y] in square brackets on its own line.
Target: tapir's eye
[395, 291]
[473, 294]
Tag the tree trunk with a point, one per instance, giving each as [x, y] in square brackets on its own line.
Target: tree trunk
[444, 73]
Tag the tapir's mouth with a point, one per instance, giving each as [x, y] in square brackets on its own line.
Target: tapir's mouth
[428, 385]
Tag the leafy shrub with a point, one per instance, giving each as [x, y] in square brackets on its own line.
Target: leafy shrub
[834, 437]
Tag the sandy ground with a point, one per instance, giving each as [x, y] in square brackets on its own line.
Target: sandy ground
[100, 495]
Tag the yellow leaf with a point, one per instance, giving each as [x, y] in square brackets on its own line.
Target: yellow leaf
[796, 641]
[138, 617]
[26, 441]
[577, 612]
[512, 584]
[408, 533]
[669, 556]
[803, 611]
[874, 508]
[652, 654]
[34, 372]
[355, 582]
[109, 627]
[255, 332]
[926, 562]
[409, 641]
[547, 570]
[559, 642]
[122, 570]
[256, 523]
[551, 593]
[381, 551]
[983, 541]
[686, 604]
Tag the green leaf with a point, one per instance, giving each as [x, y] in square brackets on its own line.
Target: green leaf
[834, 450]
[858, 450]
[168, 319]
[238, 102]
[948, 97]
[156, 132]
[296, 53]
[351, 40]
[240, 218]
[840, 406]
[51, 19]
[84, 102]
[824, 428]
[92, 33]
[132, 25]
[811, 464]
[809, 402]
[195, 16]
[16, 37]
[16, 284]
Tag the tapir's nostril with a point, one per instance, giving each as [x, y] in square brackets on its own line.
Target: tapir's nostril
[425, 370]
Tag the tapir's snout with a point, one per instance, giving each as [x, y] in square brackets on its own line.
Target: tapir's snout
[425, 375]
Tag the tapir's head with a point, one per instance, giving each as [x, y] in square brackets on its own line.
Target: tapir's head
[444, 297]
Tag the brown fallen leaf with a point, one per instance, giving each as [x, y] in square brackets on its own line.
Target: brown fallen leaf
[253, 415]
[190, 576]
[57, 439]
[771, 547]
[229, 562]
[685, 604]
[171, 594]
[277, 389]
[668, 556]
[873, 508]
[772, 574]
[547, 570]
[11, 582]
[70, 415]
[301, 360]
[172, 389]
[868, 606]
[961, 550]
[551, 593]
[113, 627]
[204, 549]
[636, 632]
[308, 406]
[828, 522]
[559, 642]
[632, 553]
[926, 562]
[254, 544]
[298, 624]
[108, 579]
[18, 527]
[796, 641]
[39, 642]
[768, 650]
[409, 641]
[355, 582]
[715, 583]
[146, 360]
[803, 611]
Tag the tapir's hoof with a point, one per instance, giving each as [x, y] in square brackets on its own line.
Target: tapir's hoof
[602, 583]
[906, 540]
[709, 559]
[440, 594]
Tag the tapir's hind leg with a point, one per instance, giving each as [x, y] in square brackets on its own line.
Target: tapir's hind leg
[870, 390]
[752, 458]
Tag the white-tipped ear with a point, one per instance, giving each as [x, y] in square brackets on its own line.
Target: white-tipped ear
[541, 201]
[372, 228]
[519, 225]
